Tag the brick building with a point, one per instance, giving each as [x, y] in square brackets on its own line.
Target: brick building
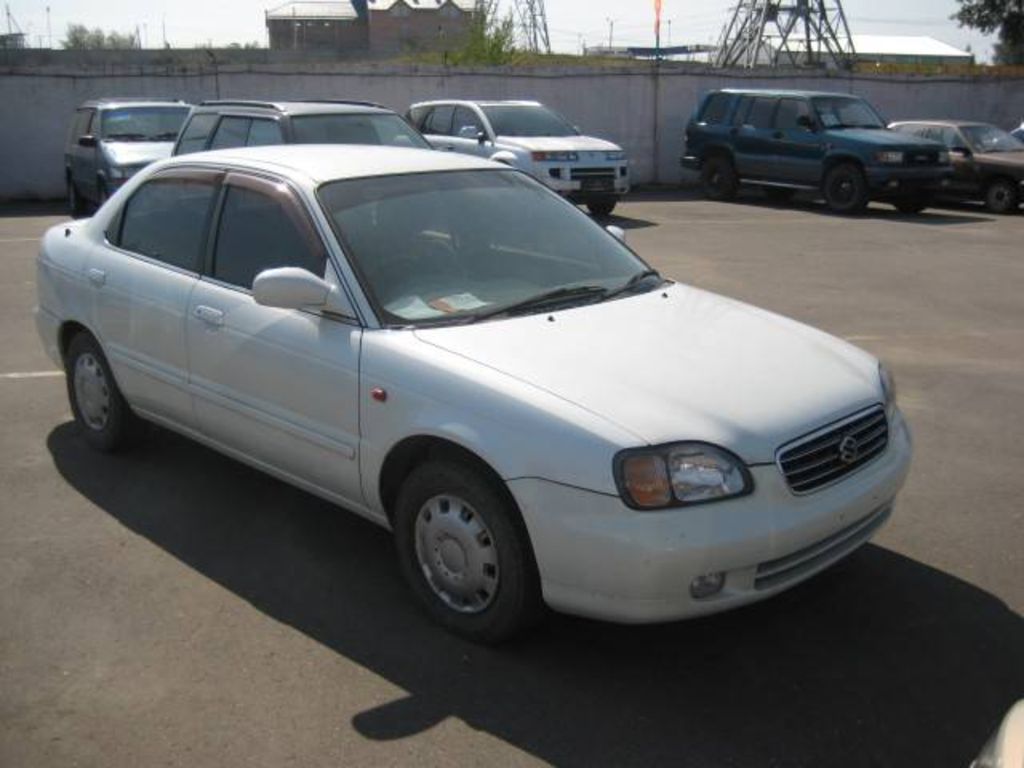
[375, 26]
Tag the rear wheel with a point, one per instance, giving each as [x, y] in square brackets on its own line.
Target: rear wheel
[101, 412]
[914, 204]
[845, 189]
[465, 553]
[718, 177]
[602, 206]
[1002, 196]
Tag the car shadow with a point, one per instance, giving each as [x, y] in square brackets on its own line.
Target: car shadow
[881, 661]
[938, 214]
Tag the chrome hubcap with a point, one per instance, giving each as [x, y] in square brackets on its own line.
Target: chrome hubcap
[457, 554]
[92, 392]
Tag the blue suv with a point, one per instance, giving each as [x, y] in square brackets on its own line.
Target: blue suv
[785, 141]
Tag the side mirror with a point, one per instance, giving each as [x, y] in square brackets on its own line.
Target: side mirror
[806, 122]
[87, 141]
[296, 288]
[617, 232]
[468, 132]
[962, 151]
[481, 138]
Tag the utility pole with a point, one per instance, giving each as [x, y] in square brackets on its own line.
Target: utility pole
[533, 24]
[611, 32]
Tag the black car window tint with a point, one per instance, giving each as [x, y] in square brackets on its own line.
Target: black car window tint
[166, 220]
[196, 133]
[232, 132]
[440, 121]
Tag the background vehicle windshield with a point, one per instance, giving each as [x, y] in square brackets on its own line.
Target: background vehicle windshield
[142, 123]
[524, 120]
[988, 138]
[840, 112]
[437, 247]
[386, 130]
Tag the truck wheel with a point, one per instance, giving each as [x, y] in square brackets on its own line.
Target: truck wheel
[1002, 196]
[465, 553]
[718, 176]
[601, 207]
[845, 189]
[100, 410]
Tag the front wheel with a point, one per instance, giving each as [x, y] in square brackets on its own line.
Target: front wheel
[718, 177]
[845, 189]
[601, 207]
[465, 553]
[1002, 196]
[100, 410]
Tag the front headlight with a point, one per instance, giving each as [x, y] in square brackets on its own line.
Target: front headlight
[889, 158]
[555, 157]
[679, 474]
[888, 384]
[615, 157]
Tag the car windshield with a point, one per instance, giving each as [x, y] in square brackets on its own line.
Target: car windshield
[357, 128]
[461, 246]
[988, 138]
[843, 112]
[527, 120]
[142, 123]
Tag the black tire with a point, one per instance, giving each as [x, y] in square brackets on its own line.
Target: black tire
[103, 416]
[912, 205]
[779, 194]
[719, 179]
[602, 207]
[1002, 196]
[499, 541]
[845, 189]
[77, 207]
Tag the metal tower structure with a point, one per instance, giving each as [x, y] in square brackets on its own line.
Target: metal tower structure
[799, 33]
[532, 21]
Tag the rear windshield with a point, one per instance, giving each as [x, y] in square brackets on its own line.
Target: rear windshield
[378, 129]
[527, 120]
[142, 123]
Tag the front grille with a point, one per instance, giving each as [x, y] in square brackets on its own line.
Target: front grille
[831, 548]
[921, 158]
[830, 454]
[579, 174]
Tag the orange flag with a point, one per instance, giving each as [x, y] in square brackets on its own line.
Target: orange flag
[657, 18]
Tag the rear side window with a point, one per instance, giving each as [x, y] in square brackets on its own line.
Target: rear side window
[197, 131]
[440, 121]
[166, 219]
[232, 132]
[789, 112]
[258, 231]
[716, 108]
[263, 133]
[761, 114]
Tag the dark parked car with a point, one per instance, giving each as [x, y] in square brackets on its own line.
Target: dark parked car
[785, 141]
[223, 124]
[111, 139]
[988, 163]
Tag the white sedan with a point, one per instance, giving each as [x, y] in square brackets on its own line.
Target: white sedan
[538, 416]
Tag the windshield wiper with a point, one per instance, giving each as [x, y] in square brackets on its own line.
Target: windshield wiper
[633, 282]
[542, 300]
[125, 136]
[166, 136]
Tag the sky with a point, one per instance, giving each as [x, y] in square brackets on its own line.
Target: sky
[571, 23]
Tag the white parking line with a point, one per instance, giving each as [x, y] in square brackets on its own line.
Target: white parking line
[32, 375]
[19, 239]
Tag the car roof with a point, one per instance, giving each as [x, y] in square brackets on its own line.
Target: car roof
[784, 93]
[943, 123]
[311, 107]
[131, 101]
[330, 162]
[486, 103]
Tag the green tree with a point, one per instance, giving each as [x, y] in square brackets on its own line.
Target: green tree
[491, 37]
[1003, 16]
[80, 38]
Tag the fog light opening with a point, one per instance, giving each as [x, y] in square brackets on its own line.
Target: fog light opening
[707, 585]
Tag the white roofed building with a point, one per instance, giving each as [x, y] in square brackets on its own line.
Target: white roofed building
[907, 49]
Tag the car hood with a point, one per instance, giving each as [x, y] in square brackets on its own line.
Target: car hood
[1011, 161]
[679, 363]
[882, 138]
[559, 143]
[137, 152]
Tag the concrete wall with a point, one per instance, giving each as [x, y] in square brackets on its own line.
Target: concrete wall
[644, 112]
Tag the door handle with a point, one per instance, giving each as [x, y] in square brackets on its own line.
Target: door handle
[97, 276]
[209, 315]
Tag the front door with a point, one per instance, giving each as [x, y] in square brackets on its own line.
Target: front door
[799, 149]
[278, 386]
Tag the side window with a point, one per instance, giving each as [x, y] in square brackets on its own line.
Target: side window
[264, 132]
[440, 121]
[232, 132]
[193, 138]
[761, 114]
[166, 219]
[259, 231]
[466, 124]
[789, 111]
[715, 109]
[951, 138]
[739, 117]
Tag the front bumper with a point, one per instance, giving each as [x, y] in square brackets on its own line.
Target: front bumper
[900, 180]
[580, 181]
[598, 558]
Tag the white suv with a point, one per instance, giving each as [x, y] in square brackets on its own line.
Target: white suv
[529, 136]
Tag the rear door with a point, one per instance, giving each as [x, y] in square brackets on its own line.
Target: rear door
[753, 138]
[277, 386]
[799, 150]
